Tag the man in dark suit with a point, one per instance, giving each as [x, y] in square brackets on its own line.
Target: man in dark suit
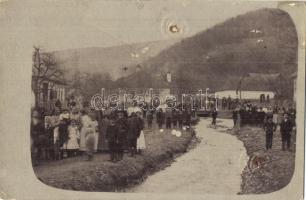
[112, 136]
[133, 133]
[174, 117]
[214, 114]
[122, 126]
[285, 129]
[235, 116]
[160, 118]
[168, 115]
[269, 127]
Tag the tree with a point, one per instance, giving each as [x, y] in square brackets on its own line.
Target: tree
[45, 67]
[87, 85]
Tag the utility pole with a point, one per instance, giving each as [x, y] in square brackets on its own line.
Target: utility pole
[206, 95]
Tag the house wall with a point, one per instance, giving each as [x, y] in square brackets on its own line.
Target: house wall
[254, 95]
[45, 99]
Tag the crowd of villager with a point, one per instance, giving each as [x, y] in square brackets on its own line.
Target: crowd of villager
[249, 114]
[70, 131]
[268, 118]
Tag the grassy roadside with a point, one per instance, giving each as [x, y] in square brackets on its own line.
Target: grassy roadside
[267, 171]
[101, 175]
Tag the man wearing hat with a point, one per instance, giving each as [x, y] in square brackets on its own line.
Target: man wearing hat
[160, 118]
[122, 125]
[133, 133]
[285, 129]
[269, 127]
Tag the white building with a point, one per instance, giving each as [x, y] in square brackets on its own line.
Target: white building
[245, 94]
[253, 86]
[50, 90]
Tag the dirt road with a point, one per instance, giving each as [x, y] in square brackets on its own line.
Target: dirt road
[214, 166]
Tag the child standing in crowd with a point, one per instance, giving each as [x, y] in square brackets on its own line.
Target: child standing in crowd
[75, 115]
[74, 135]
[269, 127]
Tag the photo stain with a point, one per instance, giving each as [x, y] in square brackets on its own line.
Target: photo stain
[174, 28]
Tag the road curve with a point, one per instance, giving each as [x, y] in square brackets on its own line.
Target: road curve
[213, 167]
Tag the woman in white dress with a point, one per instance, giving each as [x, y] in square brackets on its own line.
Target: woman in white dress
[85, 123]
[95, 127]
[141, 143]
[91, 136]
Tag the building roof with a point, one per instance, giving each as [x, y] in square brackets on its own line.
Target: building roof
[253, 82]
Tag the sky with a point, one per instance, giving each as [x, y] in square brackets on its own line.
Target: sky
[58, 25]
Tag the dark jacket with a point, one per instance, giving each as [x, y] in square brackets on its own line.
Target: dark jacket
[168, 114]
[214, 114]
[37, 130]
[286, 126]
[37, 133]
[112, 133]
[140, 124]
[174, 115]
[180, 116]
[133, 127]
[149, 116]
[235, 114]
[270, 127]
[187, 117]
[63, 132]
[160, 117]
[122, 127]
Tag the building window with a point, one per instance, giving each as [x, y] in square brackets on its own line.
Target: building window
[45, 91]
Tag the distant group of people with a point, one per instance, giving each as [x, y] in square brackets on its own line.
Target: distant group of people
[172, 118]
[249, 114]
[267, 118]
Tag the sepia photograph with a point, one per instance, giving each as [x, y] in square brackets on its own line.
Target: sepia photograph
[165, 97]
